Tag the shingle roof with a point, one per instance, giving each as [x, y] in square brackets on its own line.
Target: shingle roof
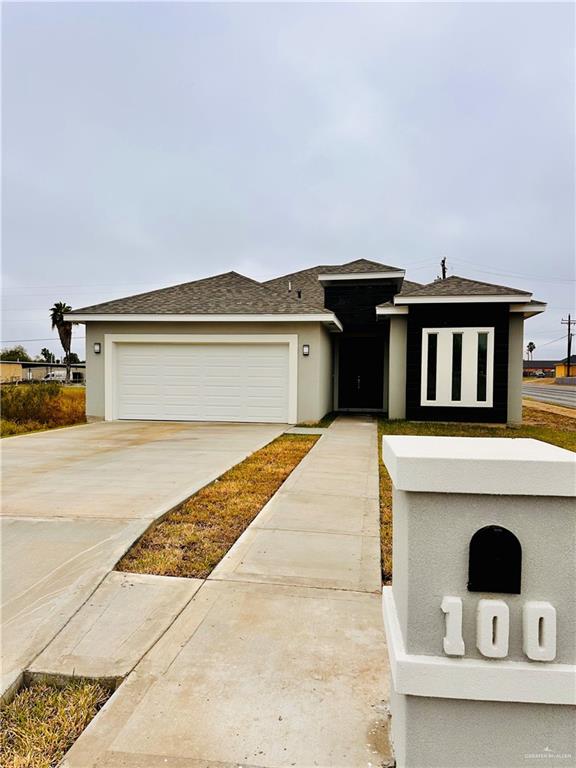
[229, 293]
[461, 286]
[359, 266]
[306, 280]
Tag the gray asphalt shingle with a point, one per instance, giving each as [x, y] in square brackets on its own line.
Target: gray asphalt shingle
[229, 293]
[461, 286]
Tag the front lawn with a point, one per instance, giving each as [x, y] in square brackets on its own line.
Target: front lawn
[192, 539]
[539, 424]
[33, 407]
[42, 722]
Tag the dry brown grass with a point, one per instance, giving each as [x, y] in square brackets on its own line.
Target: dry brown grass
[192, 539]
[550, 427]
[42, 722]
[34, 407]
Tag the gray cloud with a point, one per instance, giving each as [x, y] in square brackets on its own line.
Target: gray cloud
[147, 144]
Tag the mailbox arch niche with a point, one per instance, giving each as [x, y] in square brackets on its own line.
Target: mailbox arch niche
[495, 561]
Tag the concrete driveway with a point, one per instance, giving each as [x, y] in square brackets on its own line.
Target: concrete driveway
[74, 500]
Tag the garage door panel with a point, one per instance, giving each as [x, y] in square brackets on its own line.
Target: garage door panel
[202, 382]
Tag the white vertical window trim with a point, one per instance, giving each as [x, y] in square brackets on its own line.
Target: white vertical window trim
[469, 393]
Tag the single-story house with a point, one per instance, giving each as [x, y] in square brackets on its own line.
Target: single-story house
[34, 370]
[39, 370]
[539, 367]
[349, 337]
[562, 367]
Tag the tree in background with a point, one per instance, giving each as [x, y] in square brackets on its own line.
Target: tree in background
[73, 358]
[530, 347]
[15, 353]
[64, 328]
[47, 356]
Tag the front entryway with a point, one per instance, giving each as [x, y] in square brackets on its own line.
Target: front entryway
[361, 373]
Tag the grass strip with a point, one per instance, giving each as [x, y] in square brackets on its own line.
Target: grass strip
[552, 428]
[42, 722]
[192, 539]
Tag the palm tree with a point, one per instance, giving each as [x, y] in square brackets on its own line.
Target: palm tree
[530, 347]
[64, 328]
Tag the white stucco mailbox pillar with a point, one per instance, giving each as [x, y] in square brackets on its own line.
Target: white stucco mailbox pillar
[481, 616]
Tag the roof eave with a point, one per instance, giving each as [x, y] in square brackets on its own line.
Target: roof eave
[326, 277]
[386, 311]
[465, 299]
[328, 318]
[530, 308]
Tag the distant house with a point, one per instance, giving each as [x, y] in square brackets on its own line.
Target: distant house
[10, 371]
[562, 367]
[539, 367]
[37, 371]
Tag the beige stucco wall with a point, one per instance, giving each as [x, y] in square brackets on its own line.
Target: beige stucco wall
[397, 368]
[314, 371]
[10, 371]
[515, 368]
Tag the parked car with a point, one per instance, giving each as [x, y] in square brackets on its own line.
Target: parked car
[57, 375]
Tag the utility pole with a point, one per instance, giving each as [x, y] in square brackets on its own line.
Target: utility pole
[443, 267]
[568, 323]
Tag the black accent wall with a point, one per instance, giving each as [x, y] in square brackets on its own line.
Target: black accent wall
[355, 304]
[457, 316]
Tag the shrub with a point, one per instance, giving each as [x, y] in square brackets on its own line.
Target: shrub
[26, 407]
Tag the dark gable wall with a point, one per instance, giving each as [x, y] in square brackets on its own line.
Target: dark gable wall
[457, 315]
[355, 304]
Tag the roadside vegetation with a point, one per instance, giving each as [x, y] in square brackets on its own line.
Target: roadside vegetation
[42, 722]
[539, 424]
[32, 407]
[192, 539]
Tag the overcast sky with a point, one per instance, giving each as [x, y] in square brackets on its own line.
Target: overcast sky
[151, 144]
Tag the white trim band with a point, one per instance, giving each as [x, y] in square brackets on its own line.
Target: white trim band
[328, 317]
[471, 299]
[473, 679]
[392, 274]
[391, 310]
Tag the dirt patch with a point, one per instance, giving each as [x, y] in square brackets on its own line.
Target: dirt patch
[531, 417]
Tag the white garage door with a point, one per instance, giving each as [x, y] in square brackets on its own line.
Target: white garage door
[202, 382]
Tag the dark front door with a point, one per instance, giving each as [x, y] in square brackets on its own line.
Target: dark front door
[361, 373]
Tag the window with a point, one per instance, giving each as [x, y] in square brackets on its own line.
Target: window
[432, 366]
[457, 367]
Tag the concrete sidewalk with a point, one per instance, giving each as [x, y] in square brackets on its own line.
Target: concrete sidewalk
[75, 499]
[279, 659]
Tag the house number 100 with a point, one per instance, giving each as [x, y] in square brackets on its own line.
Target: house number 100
[493, 629]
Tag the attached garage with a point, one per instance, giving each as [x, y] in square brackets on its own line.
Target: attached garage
[202, 382]
[225, 348]
[244, 378]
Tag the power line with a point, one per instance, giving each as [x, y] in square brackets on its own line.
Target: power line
[46, 338]
[551, 342]
[517, 274]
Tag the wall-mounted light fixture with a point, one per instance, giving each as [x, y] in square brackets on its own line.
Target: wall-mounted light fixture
[97, 347]
[305, 349]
